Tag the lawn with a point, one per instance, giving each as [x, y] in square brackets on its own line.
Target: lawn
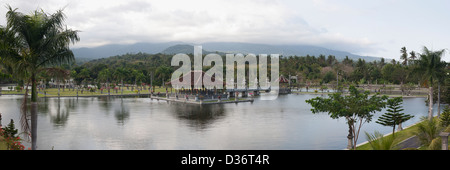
[53, 92]
[2, 143]
[400, 135]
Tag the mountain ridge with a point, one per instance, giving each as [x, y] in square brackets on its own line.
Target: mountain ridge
[213, 47]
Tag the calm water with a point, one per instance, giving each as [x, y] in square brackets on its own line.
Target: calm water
[142, 123]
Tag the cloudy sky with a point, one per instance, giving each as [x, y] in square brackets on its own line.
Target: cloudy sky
[376, 28]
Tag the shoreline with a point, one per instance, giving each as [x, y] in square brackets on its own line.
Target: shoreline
[40, 95]
[389, 95]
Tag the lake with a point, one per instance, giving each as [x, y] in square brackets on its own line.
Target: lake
[142, 123]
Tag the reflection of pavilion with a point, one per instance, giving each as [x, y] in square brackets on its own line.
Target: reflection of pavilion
[198, 117]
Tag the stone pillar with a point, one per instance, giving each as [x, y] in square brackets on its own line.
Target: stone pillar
[444, 136]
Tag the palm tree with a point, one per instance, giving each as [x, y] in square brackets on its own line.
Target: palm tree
[58, 74]
[121, 73]
[404, 56]
[105, 75]
[431, 68]
[34, 41]
[412, 56]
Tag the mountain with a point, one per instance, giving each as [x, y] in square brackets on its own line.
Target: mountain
[181, 48]
[285, 50]
[213, 47]
[119, 49]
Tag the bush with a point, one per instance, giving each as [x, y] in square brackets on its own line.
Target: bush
[436, 144]
[445, 117]
[9, 133]
[10, 130]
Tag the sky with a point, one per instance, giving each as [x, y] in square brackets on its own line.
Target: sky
[370, 28]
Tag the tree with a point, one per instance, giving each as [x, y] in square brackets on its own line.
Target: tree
[445, 117]
[57, 74]
[120, 74]
[404, 56]
[10, 130]
[163, 73]
[329, 76]
[431, 68]
[34, 41]
[393, 117]
[105, 75]
[412, 57]
[357, 108]
[84, 74]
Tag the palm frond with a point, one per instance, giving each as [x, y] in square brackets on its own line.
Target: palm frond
[379, 142]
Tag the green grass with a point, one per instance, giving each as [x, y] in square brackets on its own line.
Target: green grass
[400, 136]
[2, 143]
[53, 92]
[12, 92]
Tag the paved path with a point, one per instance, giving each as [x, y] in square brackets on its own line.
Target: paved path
[412, 142]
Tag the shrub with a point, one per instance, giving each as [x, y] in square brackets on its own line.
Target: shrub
[9, 133]
[445, 117]
[10, 130]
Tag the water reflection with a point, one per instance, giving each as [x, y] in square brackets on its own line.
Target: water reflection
[122, 112]
[105, 103]
[142, 123]
[59, 116]
[196, 116]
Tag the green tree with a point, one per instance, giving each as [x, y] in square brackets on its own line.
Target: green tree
[412, 57]
[357, 108]
[10, 130]
[404, 56]
[121, 73]
[34, 41]
[84, 75]
[329, 76]
[393, 117]
[445, 117]
[138, 76]
[431, 68]
[105, 75]
[163, 74]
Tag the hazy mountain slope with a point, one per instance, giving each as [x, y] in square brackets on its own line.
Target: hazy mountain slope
[212, 47]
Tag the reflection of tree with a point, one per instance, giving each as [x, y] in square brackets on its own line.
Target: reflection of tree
[105, 103]
[122, 113]
[43, 106]
[199, 117]
[61, 116]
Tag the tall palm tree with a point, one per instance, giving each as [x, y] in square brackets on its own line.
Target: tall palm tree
[412, 56]
[121, 73]
[431, 68]
[404, 56]
[105, 75]
[34, 41]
